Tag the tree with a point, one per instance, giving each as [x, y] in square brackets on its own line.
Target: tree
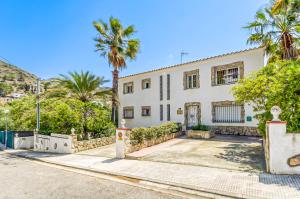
[277, 28]
[114, 43]
[275, 84]
[85, 87]
[5, 89]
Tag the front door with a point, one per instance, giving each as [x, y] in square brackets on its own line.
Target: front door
[192, 115]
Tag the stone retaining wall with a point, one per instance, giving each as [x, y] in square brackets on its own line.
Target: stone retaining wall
[132, 146]
[92, 143]
[235, 130]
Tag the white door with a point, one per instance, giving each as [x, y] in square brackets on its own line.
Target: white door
[192, 116]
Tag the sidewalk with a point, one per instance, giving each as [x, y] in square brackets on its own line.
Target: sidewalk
[219, 181]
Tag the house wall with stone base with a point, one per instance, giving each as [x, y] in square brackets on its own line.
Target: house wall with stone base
[176, 92]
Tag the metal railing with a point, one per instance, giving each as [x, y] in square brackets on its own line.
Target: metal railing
[228, 114]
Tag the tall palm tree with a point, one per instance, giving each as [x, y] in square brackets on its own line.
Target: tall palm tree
[85, 87]
[278, 31]
[281, 5]
[114, 43]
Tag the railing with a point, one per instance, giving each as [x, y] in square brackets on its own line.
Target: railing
[228, 114]
[227, 77]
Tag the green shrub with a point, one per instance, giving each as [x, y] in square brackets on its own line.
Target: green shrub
[200, 127]
[141, 134]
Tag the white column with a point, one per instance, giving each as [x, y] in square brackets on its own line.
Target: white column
[121, 138]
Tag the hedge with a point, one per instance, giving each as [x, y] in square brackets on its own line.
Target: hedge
[141, 134]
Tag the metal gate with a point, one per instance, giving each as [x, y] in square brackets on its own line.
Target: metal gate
[10, 138]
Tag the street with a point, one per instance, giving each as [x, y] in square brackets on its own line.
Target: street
[22, 178]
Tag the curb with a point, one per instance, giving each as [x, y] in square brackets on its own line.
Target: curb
[215, 192]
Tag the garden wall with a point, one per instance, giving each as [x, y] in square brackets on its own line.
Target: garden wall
[132, 145]
[235, 130]
[92, 143]
[282, 149]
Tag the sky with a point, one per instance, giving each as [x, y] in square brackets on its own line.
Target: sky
[52, 37]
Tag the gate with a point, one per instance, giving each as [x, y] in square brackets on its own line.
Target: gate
[10, 138]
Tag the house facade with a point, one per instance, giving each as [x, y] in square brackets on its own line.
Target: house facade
[197, 92]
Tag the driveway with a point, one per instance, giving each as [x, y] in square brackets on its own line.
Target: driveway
[228, 152]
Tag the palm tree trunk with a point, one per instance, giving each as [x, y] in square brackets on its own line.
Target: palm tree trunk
[114, 106]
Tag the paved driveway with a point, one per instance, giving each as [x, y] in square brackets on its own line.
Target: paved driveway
[229, 152]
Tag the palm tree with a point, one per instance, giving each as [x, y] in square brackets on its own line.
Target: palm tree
[85, 87]
[114, 43]
[281, 5]
[277, 30]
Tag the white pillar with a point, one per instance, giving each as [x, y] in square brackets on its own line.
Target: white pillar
[121, 138]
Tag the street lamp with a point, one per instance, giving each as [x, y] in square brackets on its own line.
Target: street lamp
[6, 111]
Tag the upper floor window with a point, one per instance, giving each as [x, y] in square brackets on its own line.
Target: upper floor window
[146, 111]
[128, 112]
[146, 83]
[227, 74]
[191, 79]
[128, 87]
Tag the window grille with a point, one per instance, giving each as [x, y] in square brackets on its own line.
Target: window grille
[168, 112]
[228, 113]
[161, 87]
[161, 112]
[168, 87]
[227, 76]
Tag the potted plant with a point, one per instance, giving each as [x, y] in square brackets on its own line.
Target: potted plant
[200, 132]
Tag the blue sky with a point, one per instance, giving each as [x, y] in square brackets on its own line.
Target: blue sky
[51, 37]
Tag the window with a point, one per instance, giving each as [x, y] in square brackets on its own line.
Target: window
[227, 74]
[128, 88]
[161, 87]
[228, 112]
[168, 87]
[128, 112]
[161, 110]
[168, 112]
[146, 111]
[146, 83]
[191, 79]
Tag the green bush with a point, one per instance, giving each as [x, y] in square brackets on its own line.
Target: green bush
[275, 84]
[200, 127]
[58, 116]
[141, 134]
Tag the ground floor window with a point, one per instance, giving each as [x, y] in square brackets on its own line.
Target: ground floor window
[128, 112]
[146, 111]
[227, 112]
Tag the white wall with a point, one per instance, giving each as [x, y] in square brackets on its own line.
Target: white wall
[23, 142]
[56, 143]
[282, 146]
[253, 60]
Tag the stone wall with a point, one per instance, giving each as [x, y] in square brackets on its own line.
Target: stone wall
[92, 143]
[235, 130]
[132, 145]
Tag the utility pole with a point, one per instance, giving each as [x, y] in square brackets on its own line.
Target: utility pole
[182, 54]
[38, 104]
[6, 126]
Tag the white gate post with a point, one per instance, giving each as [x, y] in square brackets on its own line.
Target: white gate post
[121, 138]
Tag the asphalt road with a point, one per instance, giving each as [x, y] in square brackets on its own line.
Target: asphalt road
[21, 178]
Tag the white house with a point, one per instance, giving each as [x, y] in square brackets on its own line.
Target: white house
[191, 93]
